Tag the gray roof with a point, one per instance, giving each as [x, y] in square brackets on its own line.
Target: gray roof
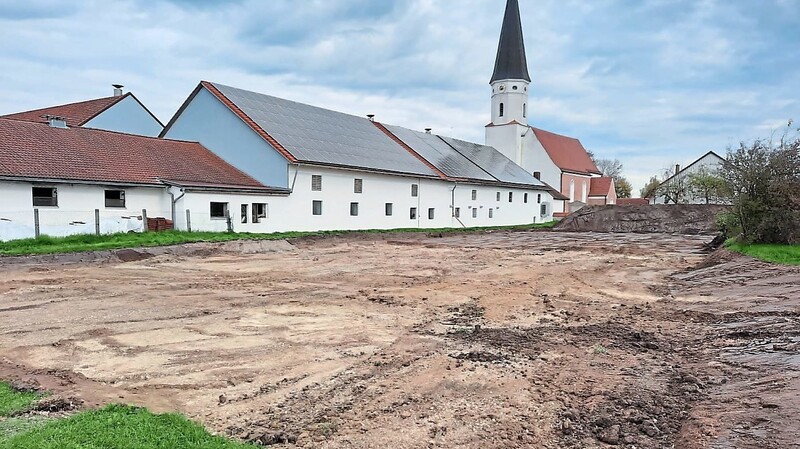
[494, 162]
[511, 63]
[321, 136]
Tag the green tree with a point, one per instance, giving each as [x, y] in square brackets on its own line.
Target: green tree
[707, 185]
[623, 188]
[649, 190]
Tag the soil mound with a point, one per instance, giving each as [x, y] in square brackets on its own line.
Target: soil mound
[677, 219]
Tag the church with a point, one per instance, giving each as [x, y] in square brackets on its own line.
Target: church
[271, 165]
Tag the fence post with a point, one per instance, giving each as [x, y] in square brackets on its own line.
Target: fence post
[188, 220]
[144, 220]
[230, 221]
[97, 222]
[36, 223]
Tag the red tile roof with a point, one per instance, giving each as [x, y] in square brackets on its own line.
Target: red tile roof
[632, 201]
[76, 114]
[37, 151]
[566, 152]
[601, 186]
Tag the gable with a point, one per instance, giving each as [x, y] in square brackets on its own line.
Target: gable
[566, 152]
[127, 115]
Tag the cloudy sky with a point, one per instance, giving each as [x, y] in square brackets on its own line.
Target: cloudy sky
[651, 82]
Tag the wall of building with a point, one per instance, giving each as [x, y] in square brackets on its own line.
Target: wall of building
[127, 116]
[513, 95]
[536, 159]
[506, 139]
[75, 211]
[579, 193]
[208, 121]
[710, 163]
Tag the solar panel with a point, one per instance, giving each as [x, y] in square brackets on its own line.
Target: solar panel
[313, 134]
[440, 154]
[494, 162]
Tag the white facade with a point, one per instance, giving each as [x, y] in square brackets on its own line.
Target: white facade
[709, 163]
[510, 102]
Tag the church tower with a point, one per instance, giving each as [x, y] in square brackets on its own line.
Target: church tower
[510, 82]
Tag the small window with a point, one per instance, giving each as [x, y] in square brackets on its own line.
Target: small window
[354, 209]
[510, 197]
[539, 199]
[316, 207]
[245, 213]
[491, 213]
[474, 212]
[431, 213]
[524, 110]
[260, 212]
[45, 196]
[358, 186]
[389, 209]
[316, 183]
[544, 210]
[115, 198]
[457, 213]
[474, 195]
[498, 196]
[414, 190]
[537, 175]
[502, 109]
[525, 198]
[413, 213]
[219, 210]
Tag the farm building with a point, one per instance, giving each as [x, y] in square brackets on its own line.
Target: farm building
[676, 188]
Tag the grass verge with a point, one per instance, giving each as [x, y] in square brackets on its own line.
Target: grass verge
[84, 243]
[119, 427]
[13, 401]
[780, 254]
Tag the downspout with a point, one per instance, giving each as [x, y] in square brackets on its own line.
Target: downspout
[294, 181]
[453, 205]
[175, 201]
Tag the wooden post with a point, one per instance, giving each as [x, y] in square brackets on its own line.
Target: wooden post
[230, 221]
[144, 220]
[97, 222]
[188, 220]
[36, 223]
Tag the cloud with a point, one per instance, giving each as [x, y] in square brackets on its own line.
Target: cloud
[654, 83]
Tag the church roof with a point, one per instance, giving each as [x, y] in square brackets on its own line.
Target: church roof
[511, 61]
[566, 152]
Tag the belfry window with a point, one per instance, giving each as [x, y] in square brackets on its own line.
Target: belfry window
[502, 109]
[525, 110]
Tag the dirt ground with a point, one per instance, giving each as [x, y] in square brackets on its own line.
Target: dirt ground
[495, 340]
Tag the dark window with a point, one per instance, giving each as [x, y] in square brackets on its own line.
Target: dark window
[45, 196]
[458, 212]
[115, 198]
[510, 197]
[544, 210]
[354, 209]
[244, 213]
[491, 213]
[498, 196]
[316, 207]
[389, 209]
[316, 183]
[358, 186]
[524, 109]
[259, 212]
[474, 195]
[474, 212]
[502, 109]
[414, 190]
[539, 199]
[431, 213]
[219, 210]
[537, 175]
[413, 213]
[525, 198]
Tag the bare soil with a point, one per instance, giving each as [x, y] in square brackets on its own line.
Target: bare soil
[493, 340]
[660, 218]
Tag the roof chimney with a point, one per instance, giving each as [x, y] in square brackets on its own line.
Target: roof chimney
[117, 89]
[677, 168]
[56, 122]
[428, 130]
[371, 117]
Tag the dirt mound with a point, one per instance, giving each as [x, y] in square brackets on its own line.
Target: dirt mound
[677, 219]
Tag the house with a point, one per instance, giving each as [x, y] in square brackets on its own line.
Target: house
[555, 159]
[70, 180]
[633, 201]
[120, 112]
[675, 189]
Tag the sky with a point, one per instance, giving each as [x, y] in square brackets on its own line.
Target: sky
[651, 82]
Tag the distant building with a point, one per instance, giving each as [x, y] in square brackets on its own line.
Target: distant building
[675, 188]
[633, 201]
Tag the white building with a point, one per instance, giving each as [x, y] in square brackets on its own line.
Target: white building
[675, 189]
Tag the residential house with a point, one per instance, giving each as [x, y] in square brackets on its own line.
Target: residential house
[675, 189]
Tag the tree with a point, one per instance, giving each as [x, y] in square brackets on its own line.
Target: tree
[649, 190]
[707, 185]
[623, 188]
[675, 189]
[612, 169]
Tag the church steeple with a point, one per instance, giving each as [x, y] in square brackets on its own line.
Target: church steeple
[511, 63]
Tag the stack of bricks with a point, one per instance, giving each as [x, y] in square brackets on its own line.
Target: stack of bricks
[159, 225]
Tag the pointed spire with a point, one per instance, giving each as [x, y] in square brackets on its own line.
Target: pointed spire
[511, 61]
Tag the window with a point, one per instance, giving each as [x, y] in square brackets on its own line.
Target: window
[571, 190]
[457, 213]
[389, 211]
[115, 198]
[510, 197]
[544, 210]
[585, 191]
[413, 213]
[414, 190]
[524, 110]
[539, 199]
[498, 196]
[431, 213]
[354, 209]
[525, 198]
[537, 175]
[474, 212]
[358, 186]
[45, 196]
[491, 213]
[259, 212]
[316, 183]
[245, 214]
[316, 207]
[502, 109]
[219, 210]
[474, 195]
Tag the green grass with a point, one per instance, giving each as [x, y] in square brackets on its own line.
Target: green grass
[84, 243]
[780, 254]
[12, 401]
[119, 427]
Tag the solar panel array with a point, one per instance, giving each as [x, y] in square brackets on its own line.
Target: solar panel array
[313, 134]
[494, 162]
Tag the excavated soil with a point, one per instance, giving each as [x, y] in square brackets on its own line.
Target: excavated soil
[493, 340]
[663, 218]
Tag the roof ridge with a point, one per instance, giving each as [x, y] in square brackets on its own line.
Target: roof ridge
[406, 147]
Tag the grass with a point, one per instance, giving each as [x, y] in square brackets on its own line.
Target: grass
[84, 243]
[119, 427]
[780, 254]
[12, 401]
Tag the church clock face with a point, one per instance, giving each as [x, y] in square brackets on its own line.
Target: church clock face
[502, 88]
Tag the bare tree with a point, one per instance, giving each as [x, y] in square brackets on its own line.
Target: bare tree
[610, 168]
